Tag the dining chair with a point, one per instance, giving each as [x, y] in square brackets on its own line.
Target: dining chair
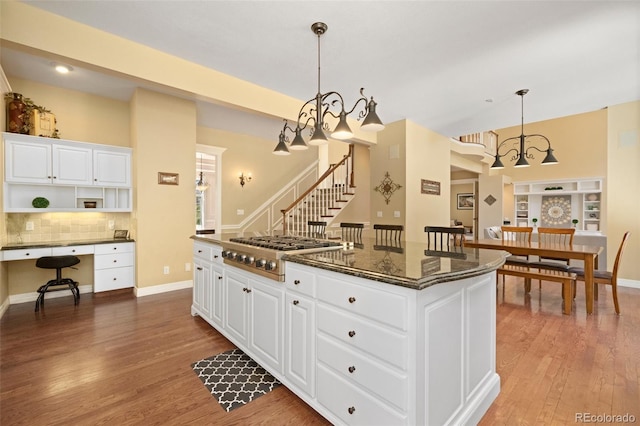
[352, 232]
[444, 238]
[554, 237]
[388, 232]
[606, 277]
[521, 234]
[316, 228]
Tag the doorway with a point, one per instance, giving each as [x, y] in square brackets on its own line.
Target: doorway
[208, 189]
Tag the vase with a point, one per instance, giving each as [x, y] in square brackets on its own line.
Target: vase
[17, 120]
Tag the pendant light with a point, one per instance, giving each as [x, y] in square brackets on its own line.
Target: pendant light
[201, 185]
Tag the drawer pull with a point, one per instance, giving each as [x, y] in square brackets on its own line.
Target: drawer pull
[27, 254]
[352, 333]
[351, 410]
[296, 282]
[199, 268]
[215, 256]
[115, 248]
[295, 302]
[219, 277]
[199, 251]
[352, 299]
[73, 251]
[352, 369]
[115, 279]
[247, 290]
[115, 261]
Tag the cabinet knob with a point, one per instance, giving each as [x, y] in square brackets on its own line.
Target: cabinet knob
[95, 180]
[248, 290]
[73, 251]
[199, 251]
[27, 254]
[351, 410]
[296, 282]
[55, 177]
[295, 302]
[115, 279]
[352, 333]
[199, 268]
[352, 299]
[115, 248]
[352, 369]
[219, 277]
[215, 256]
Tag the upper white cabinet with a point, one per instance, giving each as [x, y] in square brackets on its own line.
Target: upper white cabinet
[67, 173]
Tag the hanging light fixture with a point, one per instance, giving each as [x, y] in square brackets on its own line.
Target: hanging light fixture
[201, 185]
[522, 154]
[315, 110]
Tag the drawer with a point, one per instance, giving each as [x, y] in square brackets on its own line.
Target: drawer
[114, 248]
[352, 405]
[204, 251]
[72, 250]
[379, 305]
[113, 279]
[116, 260]
[300, 281]
[359, 333]
[25, 253]
[384, 382]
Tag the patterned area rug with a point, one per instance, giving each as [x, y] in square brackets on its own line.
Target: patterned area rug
[233, 378]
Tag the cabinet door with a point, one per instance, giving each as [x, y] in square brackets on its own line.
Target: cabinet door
[299, 338]
[202, 288]
[71, 165]
[267, 319]
[236, 307]
[27, 162]
[111, 168]
[217, 300]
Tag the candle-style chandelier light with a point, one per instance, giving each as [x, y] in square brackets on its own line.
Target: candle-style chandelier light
[315, 110]
[522, 154]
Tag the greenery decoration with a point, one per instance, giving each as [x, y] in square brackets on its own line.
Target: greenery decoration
[40, 203]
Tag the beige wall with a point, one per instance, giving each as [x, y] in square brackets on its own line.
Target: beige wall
[623, 186]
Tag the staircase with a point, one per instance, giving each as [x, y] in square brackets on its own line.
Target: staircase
[323, 200]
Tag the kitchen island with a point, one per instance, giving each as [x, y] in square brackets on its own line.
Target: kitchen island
[367, 335]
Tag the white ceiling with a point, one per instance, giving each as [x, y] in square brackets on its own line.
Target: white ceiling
[435, 63]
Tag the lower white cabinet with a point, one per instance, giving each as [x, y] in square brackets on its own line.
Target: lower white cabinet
[202, 286]
[236, 306]
[113, 266]
[300, 342]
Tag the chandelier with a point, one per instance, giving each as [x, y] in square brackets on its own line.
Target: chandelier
[523, 154]
[315, 110]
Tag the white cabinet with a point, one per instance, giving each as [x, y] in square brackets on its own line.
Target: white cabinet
[113, 266]
[207, 283]
[591, 209]
[202, 286]
[66, 173]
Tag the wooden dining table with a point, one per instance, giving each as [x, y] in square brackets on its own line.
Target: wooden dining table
[588, 254]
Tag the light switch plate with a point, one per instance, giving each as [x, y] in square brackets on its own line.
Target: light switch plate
[379, 214]
[240, 212]
[396, 213]
[29, 226]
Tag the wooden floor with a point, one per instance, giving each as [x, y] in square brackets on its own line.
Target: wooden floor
[117, 359]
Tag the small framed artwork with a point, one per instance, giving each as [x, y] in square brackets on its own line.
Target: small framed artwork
[465, 201]
[429, 187]
[120, 233]
[167, 178]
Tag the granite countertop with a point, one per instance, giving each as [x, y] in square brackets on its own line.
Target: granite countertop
[65, 243]
[407, 264]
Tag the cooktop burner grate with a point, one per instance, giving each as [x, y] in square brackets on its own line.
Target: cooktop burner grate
[285, 243]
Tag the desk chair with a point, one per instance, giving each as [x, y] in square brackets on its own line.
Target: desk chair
[606, 277]
[57, 263]
[317, 228]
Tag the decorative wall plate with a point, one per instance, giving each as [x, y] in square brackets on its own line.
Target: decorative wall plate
[556, 211]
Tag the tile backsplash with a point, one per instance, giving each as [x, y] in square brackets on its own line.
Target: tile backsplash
[63, 226]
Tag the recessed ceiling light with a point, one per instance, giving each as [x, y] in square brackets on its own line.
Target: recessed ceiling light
[63, 69]
[489, 100]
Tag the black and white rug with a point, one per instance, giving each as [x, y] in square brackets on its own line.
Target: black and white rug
[233, 378]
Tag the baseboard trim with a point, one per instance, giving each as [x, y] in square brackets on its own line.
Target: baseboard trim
[4, 307]
[628, 283]
[31, 297]
[162, 288]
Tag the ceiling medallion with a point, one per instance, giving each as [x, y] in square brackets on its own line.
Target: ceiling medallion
[387, 187]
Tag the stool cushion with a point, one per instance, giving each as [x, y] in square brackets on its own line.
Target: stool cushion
[55, 262]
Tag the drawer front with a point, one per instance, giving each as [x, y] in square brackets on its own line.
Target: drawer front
[72, 250]
[113, 279]
[352, 405]
[300, 281]
[216, 252]
[203, 251]
[114, 248]
[25, 253]
[383, 306]
[359, 333]
[117, 260]
[368, 373]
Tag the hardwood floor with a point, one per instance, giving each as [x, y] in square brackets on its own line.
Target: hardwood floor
[117, 359]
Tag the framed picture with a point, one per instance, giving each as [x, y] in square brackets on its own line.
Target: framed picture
[120, 233]
[167, 178]
[429, 187]
[465, 201]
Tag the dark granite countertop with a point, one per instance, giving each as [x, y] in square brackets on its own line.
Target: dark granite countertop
[65, 243]
[408, 264]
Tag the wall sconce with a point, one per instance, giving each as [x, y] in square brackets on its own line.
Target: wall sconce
[244, 178]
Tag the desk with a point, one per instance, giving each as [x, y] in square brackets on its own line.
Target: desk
[588, 254]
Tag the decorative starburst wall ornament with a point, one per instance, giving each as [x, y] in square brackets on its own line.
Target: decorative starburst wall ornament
[387, 187]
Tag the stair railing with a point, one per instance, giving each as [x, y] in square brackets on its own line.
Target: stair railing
[317, 202]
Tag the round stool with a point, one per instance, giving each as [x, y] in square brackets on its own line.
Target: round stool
[57, 263]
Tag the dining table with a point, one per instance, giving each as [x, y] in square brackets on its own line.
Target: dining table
[588, 254]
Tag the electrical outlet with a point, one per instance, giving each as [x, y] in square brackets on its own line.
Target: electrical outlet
[112, 224]
[29, 226]
[187, 267]
[166, 270]
[396, 213]
[240, 212]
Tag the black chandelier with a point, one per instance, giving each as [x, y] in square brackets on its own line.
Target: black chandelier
[522, 154]
[314, 111]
